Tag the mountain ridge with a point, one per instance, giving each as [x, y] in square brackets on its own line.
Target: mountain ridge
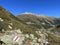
[39, 19]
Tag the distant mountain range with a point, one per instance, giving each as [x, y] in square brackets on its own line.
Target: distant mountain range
[39, 21]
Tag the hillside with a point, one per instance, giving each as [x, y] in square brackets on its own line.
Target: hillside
[39, 21]
[31, 29]
[11, 22]
[49, 24]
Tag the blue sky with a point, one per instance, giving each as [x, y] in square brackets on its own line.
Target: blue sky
[45, 7]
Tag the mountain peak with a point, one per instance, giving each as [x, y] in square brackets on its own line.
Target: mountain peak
[27, 13]
[30, 13]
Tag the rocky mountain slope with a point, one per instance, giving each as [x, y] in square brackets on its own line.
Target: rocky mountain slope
[30, 28]
[45, 23]
[11, 22]
[39, 21]
[11, 26]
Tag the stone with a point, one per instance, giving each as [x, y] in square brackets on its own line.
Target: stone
[9, 26]
[27, 36]
[18, 31]
[1, 19]
[32, 36]
[39, 40]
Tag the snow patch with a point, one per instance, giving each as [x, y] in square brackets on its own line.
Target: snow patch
[27, 13]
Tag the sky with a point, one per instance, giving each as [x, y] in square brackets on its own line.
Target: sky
[44, 7]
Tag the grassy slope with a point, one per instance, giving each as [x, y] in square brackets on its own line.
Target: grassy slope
[17, 23]
[38, 20]
[53, 40]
